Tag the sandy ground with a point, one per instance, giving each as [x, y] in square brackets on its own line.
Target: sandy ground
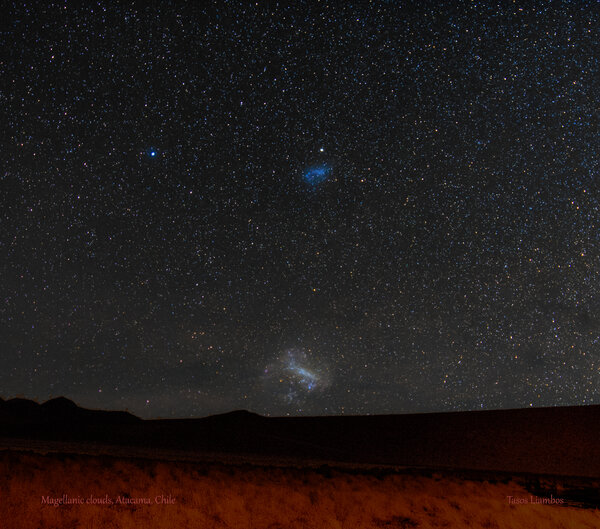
[75, 491]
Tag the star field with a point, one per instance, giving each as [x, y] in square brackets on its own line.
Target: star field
[319, 209]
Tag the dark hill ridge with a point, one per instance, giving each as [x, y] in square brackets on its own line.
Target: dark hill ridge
[561, 441]
[17, 411]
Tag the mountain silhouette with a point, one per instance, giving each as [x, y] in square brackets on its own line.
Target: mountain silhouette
[561, 441]
[59, 410]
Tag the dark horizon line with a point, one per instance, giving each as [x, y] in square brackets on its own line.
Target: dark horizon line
[248, 412]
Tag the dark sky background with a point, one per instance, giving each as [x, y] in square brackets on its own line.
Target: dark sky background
[329, 208]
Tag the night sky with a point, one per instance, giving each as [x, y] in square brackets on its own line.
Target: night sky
[323, 209]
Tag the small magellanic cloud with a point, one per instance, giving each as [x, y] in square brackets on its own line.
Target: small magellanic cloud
[317, 174]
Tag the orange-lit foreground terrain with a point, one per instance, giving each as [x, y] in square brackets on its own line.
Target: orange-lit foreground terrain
[40, 491]
[65, 467]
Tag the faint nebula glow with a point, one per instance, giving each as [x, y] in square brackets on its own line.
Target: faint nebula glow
[316, 175]
[304, 377]
[294, 377]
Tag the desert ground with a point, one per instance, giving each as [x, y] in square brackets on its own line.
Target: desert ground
[82, 491]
